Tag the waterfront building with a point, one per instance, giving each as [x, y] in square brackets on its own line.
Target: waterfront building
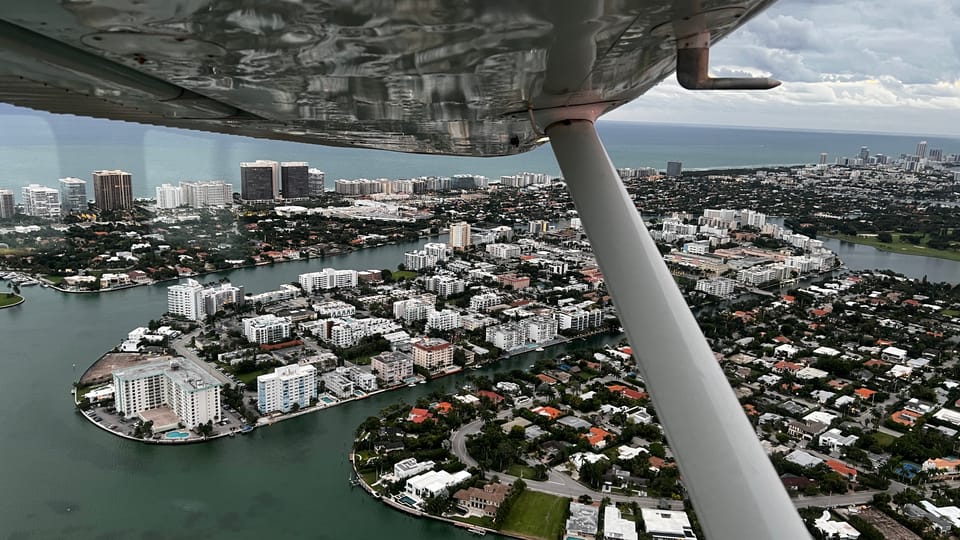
[209, 193]
[507, 336]
[285, 292]
[113, 190]
[459, 235]
[392, 367]
[359, 186]
[433, 354]
[443, 320]
[191, 393]
[583, 521]
[7, 208]
[405, 468]
[433, 483]
[338, 385]
[327, 279]
[484, 501]
[73, 195]
[674, 168]
[217, 297]
[722, 287]
[361, 379]
[266, 329]
[41, 201]
[524, 179]
[168, 197]
[286, 386]
[316, 182]
[578, 319]
[186, 300]
[540, 329]
[260, 180]
[823, 159]
[294, 179]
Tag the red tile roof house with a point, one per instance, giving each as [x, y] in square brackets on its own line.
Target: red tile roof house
[419, 416]
[842, 469]
[492, 396]
[597, 438]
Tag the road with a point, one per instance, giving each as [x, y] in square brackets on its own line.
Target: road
[560, 483]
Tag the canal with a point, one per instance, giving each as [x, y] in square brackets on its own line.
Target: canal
[63, 478]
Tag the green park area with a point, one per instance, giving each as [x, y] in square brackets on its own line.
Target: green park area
[899, 244]
[537, 515]
[9, 299]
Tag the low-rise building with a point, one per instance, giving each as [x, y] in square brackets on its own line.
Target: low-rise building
[484, 502]
[266, 329]
[392, 368]
[433, 354]
[666, 524]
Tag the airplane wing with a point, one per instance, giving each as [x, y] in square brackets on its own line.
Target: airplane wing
[431, 76]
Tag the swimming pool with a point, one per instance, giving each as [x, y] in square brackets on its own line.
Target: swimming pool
[176, 435]
[327, 399]
[407, 500]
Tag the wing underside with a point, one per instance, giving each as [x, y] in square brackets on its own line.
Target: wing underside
[457, 78]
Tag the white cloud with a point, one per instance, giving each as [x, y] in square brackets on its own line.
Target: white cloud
[878, 65]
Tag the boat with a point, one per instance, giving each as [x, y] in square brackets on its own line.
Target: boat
[477, 532]
[411, 385]
[246, 429]
[539, 349]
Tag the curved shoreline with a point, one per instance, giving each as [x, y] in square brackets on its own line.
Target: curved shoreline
[15, 304]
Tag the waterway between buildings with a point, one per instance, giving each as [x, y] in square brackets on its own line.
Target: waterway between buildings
[64, 478]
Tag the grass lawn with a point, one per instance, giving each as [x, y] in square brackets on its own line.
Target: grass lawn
[538, 515]
[56, 280]
[883, 440]
[8, 299]
[898, 246]
[477, 520]
[250, 379]
[517, 469]
[951, 313]
[407, 274]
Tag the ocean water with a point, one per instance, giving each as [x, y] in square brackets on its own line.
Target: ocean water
[40, 148]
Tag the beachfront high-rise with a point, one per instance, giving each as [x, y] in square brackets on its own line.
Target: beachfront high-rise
[168, 197]
[260, 180]
[316, 179]
[113, 190]
[294, 180]
[73, 195]
[285, 387]
[209, 193]
[187, 389]
[186, 300]
[7, 207]
[41, 201]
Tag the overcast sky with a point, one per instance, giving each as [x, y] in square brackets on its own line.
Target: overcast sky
[852, 65]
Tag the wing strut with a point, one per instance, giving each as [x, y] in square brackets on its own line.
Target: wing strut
[734, 488]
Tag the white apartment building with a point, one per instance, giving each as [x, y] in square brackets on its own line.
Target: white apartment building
[577, 318]
[41, 201]
[484, 301]
[168, 197]
[338, 385]
[504, 251]
[334, 308]
[186, 300]
[209, 193]
[362, 380]
[445, 285]
[443, 320]
[347, 332]
[722, 287]
[433, 354]
[216, 297]
[186, 388]
[266, 329]
[507, 336]
[392, 367]
[286, 386]
[428, 257]
[327, 279]
[285, 292]
[540, 329]
[414, 309]
[459, 235]
[73, 195]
